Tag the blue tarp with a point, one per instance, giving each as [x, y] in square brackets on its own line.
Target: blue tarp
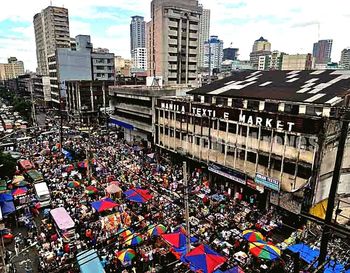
[67, 154]
[309, 255]
[7, 208]
[4, 197]
[89, 262]
[121, 124]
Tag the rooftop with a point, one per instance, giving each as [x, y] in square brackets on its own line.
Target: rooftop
[328, 87]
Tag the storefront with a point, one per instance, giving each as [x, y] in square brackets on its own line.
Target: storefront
[237, 185]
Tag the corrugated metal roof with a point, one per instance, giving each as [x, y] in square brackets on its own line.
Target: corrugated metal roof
[318, 87]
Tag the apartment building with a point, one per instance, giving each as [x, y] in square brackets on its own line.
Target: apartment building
[172, 41]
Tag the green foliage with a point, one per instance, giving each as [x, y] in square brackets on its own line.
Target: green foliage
[8, 165]
[20, 105]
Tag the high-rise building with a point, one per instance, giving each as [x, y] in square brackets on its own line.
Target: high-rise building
[230, 54]
[204, 31]
[322, 51]
[51, 27]
[213, 54]
[12, 69]
[345, 58]
[139, 58]
[261, 47]
[172, 41]
[276, 59]
[298, 62]
[137, 33]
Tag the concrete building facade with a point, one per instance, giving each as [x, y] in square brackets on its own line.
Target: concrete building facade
[12, 69]
[139, 58]
[51, 28]
[172, 39]
[261, 132]
[103, 66]
[298, 62]
[133, 109]
[213, 54]
[204, 32]
[322, 51]
[261, 47]
[345, 59]
[67, 65]
[230, 54]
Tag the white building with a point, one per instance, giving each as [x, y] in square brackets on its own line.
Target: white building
[139, 58]
[204, 30]
[213, 53]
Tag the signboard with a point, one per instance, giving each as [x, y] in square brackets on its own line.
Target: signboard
[228, 173]
[268, 182]
[251, 184]
[279, 121]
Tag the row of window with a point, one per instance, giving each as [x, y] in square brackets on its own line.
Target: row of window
[303, 171]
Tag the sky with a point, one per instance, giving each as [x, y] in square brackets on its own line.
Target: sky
[292, 26]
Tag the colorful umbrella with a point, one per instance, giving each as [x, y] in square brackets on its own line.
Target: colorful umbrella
[21, 183]
[177, 240]
[19, 191]
[156, 230]
[17, 179]
[91, 190]
[126, 255]
[133, 240]
[205, 259]
[264, 251]
[138, 195]
[104, 204]
[253, 236]
[73, 184]
[125, 233]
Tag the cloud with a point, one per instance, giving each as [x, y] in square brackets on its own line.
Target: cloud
[305, 24]
[290, 27]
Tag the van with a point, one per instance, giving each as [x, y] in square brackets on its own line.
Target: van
[42, 194]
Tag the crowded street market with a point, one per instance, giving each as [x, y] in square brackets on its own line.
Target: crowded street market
[99, 204]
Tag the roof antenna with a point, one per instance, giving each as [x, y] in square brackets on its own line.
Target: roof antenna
[319, 30]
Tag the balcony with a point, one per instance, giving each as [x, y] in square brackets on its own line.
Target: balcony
[172, 50]
[172, 33]
[172, 41]
[139, 125]
[172, 58]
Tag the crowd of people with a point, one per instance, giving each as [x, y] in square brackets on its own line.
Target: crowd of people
[217, 219]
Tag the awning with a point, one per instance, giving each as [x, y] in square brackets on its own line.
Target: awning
[89, 262]
[121, 124]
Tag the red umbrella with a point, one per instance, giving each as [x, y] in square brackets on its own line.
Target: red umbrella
[205, 259]
[19, 191]
[104, 204]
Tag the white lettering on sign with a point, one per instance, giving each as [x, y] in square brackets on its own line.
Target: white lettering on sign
[258, 121]
[243, 118]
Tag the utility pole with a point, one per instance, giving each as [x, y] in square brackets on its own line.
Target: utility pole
[333, 190]
[187, 210]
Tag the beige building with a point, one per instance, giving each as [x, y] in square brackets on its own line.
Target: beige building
[122, 66]
[12, 69]
[298, 62]
[172, 41]
[51, 28]
[261, 45]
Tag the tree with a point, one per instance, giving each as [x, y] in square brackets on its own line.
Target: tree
[7, 165]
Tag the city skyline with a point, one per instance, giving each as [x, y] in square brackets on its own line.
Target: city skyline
[292, 28]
